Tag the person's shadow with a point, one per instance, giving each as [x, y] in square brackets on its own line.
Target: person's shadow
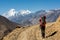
[52, 34]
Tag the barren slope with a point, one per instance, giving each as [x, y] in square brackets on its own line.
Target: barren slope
[34, 32]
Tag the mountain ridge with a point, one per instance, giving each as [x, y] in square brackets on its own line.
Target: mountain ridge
[33, 18]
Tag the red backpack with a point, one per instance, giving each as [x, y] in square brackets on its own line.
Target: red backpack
[42, 21]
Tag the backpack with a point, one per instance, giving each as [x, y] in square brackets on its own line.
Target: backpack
[43, 19]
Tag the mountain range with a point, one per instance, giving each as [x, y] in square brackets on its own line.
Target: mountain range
[10, 23]
[33, 18]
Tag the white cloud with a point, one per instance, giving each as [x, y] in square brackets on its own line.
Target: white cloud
[13, 12]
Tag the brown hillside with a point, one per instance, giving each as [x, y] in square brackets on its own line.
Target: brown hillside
[6, 26]
[34, 32]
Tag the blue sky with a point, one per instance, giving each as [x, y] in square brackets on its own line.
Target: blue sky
[32, 5]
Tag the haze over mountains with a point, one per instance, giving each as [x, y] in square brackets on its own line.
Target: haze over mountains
[29, 18]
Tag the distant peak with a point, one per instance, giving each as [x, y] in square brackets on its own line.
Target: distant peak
[13, 12]
[25, 12]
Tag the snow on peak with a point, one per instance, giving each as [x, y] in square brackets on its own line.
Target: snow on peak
[9, 13]
[25, 12]
[13, 12]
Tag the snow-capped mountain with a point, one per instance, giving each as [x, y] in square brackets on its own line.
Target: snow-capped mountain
[30, 18]
[13, 12]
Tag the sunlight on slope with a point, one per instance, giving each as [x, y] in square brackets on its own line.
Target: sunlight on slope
[55, 27]
[34, 32]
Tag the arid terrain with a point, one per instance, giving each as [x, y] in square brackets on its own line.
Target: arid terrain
[34, 32]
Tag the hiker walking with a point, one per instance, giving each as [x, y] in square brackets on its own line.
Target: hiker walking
[42, 25]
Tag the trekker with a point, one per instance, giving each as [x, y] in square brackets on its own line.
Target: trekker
[42, 25]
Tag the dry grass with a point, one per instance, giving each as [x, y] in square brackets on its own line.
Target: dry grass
[34, 32]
